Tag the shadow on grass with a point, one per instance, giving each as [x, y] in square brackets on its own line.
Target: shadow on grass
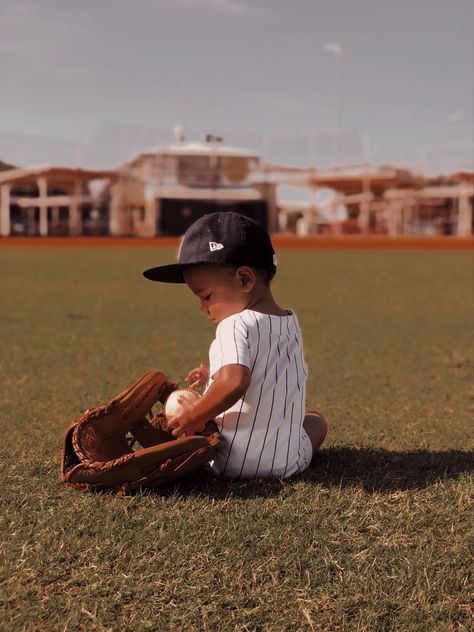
[378, 470]
[372, 469]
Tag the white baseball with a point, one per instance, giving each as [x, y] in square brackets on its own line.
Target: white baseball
[173, 407]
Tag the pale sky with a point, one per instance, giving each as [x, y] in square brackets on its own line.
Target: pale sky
[94, 80]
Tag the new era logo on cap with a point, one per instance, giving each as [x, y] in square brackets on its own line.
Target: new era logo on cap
[213, 245]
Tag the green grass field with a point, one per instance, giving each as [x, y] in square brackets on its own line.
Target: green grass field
[375, 536]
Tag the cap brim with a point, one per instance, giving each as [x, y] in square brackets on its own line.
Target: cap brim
[172, 273]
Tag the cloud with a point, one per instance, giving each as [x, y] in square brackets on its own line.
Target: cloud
[27, 31]
[17, 29]
[15, 17]
[288, 104]
[230, 7]
[16, 13]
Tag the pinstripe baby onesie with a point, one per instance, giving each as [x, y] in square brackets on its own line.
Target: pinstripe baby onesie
[262, 433]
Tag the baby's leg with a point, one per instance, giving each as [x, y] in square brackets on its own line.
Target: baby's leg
[316, 428]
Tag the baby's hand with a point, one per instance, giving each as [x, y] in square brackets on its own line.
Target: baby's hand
[199, 376]
[184, 425]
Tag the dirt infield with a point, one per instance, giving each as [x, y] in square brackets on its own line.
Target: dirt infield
[323, 242]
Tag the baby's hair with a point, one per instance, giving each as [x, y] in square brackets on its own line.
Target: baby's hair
[265, 275]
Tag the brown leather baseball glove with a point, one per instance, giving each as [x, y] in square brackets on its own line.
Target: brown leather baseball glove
[100, 448]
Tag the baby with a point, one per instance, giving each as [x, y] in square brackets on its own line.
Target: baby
[255, 383]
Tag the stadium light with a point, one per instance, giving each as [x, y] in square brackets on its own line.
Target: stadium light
[336, 49]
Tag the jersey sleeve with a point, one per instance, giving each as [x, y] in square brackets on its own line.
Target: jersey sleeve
[232, 345]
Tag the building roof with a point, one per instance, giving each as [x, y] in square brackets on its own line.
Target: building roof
[347, 179]
[4, 166]
[21, 174]
[195, 149]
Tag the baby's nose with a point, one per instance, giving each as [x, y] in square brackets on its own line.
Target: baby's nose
[203, 308]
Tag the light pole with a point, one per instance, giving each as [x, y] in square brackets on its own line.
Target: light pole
[457, 120]
[336, 49]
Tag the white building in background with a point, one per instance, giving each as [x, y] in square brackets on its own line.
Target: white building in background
[51, 200]
[368, 200]
[162, 191]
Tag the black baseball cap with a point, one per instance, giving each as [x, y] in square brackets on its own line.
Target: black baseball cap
[224, 238]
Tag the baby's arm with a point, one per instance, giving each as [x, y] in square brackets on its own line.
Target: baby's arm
[200, 375]
[227, 387]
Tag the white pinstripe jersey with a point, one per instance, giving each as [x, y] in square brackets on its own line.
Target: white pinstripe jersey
[262, 434]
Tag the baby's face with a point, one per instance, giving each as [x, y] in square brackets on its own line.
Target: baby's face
[219, 289]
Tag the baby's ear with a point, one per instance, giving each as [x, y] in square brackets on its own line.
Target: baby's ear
[246, 278]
